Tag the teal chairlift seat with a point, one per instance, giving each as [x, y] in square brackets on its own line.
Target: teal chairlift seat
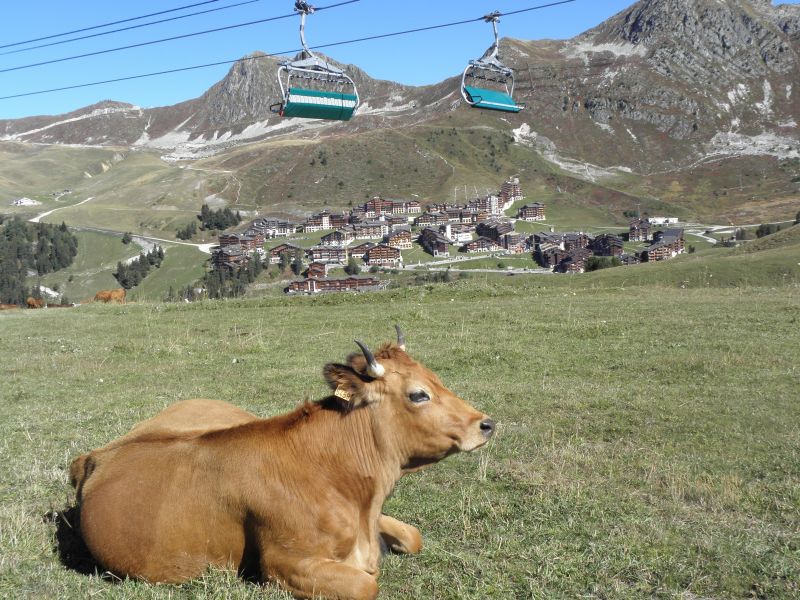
[494, 99]
[320, 90]
[315, 104]
[488, 70]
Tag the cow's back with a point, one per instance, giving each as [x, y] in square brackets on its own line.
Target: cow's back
[186, 418]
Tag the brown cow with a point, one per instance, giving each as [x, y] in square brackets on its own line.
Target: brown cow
[297, 497]
[32, 302]
[117, 295]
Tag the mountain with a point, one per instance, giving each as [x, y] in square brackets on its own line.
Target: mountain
[672, 82]
[689, 106]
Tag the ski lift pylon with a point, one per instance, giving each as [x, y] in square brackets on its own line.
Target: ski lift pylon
[312, 88]
[487, 71]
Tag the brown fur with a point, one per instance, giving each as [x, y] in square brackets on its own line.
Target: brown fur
[299, 495]
[32, 302]
[117, 295]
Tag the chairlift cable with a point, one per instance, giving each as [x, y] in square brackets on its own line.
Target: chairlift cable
[55, 35]
[162, 40]
[269, 55]
[130, 27]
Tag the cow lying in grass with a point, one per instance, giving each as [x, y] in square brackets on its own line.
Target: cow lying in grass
[116, 295]
[297, 496]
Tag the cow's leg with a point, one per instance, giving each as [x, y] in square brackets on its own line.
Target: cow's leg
[398, 536]
[318, 577]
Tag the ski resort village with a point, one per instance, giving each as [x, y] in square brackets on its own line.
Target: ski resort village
[331, 249]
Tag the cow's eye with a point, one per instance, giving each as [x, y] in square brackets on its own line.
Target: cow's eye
[420, 396]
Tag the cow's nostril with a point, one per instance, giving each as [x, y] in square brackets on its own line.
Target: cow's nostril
[487, 427]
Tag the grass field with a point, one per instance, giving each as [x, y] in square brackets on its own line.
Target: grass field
[647, 444]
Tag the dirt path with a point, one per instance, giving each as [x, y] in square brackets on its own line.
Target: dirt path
[38, 218]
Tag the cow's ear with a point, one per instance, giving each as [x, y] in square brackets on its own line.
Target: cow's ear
[347, 385]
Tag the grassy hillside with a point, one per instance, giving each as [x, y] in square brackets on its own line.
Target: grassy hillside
[182, 266]
[647, 442]
[772, 260]
[37, 171]
[141, 194]
[97, 258]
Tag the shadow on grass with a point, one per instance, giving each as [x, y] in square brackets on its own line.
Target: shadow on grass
[69, 545]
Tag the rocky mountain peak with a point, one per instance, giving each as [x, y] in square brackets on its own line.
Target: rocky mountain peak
[707, 39]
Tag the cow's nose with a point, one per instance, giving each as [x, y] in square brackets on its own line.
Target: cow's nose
[487, 427]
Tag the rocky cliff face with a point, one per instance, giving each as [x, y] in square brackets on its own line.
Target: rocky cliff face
[670, 81]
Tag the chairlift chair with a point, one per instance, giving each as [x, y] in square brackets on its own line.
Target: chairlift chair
[312, 88]
[487, 82]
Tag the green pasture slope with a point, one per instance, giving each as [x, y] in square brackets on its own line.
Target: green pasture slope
[647, 444]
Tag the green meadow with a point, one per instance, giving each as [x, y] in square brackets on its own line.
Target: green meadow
[647, 444]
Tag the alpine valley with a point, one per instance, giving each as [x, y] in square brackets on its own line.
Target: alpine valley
[680, 107]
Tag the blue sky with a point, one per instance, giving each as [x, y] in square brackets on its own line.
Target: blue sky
[417, 59]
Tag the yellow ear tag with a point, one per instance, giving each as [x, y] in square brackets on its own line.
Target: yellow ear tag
[343, 394]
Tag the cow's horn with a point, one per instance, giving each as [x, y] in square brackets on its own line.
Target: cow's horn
[401, 339]
[374, 368]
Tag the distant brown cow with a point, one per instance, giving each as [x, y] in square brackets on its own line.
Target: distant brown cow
[117, 295]
[8, 306]
[297, 496]
[32, 302]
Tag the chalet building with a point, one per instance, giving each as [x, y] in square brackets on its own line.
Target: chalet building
[400, 239]
[396, 222]
[607, 244]
[314, 285]
[667, 244]
[290, 249]
[228, 239]
[383, 256]
[371, 230]
[248, 242]
[375, 207]
[272, 228]
[229, 257]
[318, 222]
[457, 233]
[434, 242]
[360, 251]
[482, 244]
[339, 221]
[454, 214]
[639, 231]
[328, 254]
[629, 259]
[475, 216]
[531, 212]
[358, 215]
[491, 204]
[544, 237]
[378, 207]
[575, 240]
[407, 207]
[318, 270]
[575, 261]
[431, 219]
[514, 243]
[510, 192]
[494, 229]
[339, 238]
[549, 255]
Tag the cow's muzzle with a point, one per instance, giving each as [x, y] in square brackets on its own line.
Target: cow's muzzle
[487, 428]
